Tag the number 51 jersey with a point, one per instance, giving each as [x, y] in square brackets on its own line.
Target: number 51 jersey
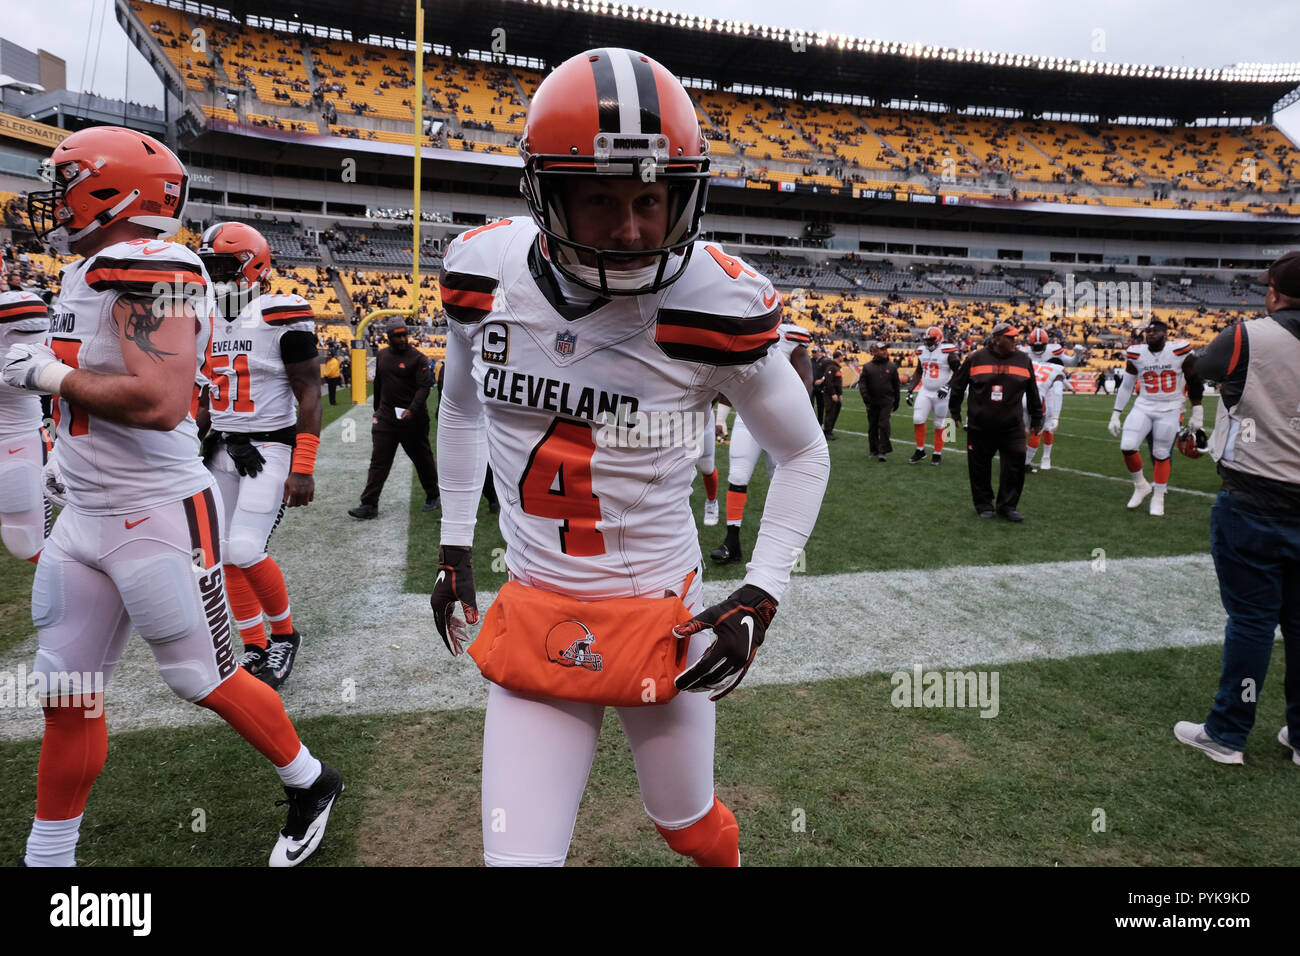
[110, 468]
[245, 362]
[594, 423]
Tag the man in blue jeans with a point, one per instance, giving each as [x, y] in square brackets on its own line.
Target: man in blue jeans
[1255, 523]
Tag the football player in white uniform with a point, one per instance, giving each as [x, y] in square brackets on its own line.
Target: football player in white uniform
[1042, 350]
[936, 360]
[745, 449]
[1052, 383]
[602, 310]
[138, 545]
[24, 319]
[1164, 371]
[261, 359]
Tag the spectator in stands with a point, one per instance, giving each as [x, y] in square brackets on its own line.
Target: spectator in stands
[879, 387]
[402, 382]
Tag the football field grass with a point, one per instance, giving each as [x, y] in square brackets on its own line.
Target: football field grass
[1078, 767]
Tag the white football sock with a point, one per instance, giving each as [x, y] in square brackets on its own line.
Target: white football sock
[53, 842]
[301, 771]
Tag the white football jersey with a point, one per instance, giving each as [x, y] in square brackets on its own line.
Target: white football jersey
[594, 423]
[1050, 378]
[792, 336]
[24, 320]
[110, 468]
[935, 370]
[244, 362]
[1161, 386]
[1053, 350]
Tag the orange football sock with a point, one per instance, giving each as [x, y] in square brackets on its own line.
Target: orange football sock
[73, 752]
[257, 714]
[1133, 460]
[247, 608]
[735, 506]
[938, 440]
[1048, 438]
[711, 485]
[919, 432]
[267, 583]
[1033, 441]
[713, 840]
[35, 558]
[1160, 471]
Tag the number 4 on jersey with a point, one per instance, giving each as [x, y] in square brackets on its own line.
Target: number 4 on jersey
[557, 484]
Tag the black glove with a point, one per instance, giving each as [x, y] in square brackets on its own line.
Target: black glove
[209, 447]
[248, 460]
[911, 399]
[943, 391]
[739, 624]
[455, 583]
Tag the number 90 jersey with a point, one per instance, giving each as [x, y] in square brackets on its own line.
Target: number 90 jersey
[245, 363]
[1160, 375]
[110, 468]
[594, 423]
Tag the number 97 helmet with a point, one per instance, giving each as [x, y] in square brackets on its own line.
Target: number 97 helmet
[106, 174]
[615, 113]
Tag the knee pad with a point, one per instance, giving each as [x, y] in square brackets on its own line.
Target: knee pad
[158, 593]
[190, 679]
[245, 547]
[713, 840]
[23, 539]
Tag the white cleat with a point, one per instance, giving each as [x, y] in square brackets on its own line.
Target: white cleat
[711, 512]
[1047, 463]
[1140, 493]
[1158, 504]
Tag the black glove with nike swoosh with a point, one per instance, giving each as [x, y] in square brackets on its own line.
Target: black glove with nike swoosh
[739, 624]
[455, 583]
[248, 460]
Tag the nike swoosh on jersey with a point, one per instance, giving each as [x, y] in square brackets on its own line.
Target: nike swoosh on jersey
[131, 524]
[14, 451]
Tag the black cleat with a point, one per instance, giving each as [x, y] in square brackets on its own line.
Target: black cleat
[280, 654]
[1014, 516]
[309, 812]
[722, 554]
[917, 456]
[936, 458]
[253, 659]
[364, 511]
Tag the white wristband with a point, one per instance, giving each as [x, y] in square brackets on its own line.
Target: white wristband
[50, 379]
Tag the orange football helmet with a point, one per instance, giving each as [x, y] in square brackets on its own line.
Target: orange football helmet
[1038, 339]
[933, 337]
[615, 112]
[102, 175]
[1191, 443]
[236, 255]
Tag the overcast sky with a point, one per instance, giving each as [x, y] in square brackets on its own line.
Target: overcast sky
[1203, 33]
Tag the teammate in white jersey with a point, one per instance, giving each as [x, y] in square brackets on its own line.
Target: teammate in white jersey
[936, 360]
[707, 466]
[1040, 349]
[1052, 383]
[579, 338]
[261, 358]
[24, 513]
[745, 449]
[1164, 371]
[139, 544]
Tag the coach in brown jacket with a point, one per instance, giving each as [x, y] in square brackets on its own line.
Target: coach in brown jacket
[1001, 383]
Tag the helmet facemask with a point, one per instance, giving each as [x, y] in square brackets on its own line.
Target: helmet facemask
[686, 179]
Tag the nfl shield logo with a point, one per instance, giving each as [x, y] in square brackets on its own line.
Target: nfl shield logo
[565, 342]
